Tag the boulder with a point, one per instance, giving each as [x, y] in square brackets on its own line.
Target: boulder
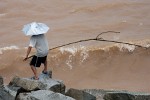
[8, 93]
[126, 96]
[98, 93]
[27, 84]
[53, 85]
[44, 83]
[50, 74]
[46, 76]
[43, 95]
[117, 95]
[47, 88]
[1, 81]
[80, 95]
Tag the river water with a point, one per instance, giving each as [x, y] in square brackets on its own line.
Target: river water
[91, 64]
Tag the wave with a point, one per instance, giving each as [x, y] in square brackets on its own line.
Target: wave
[73, 56]
[3, 14]
[120, 46]
[13, 47]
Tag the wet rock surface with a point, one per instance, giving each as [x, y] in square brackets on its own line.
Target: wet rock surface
[43, 95]
[47, 88]
[117, 95]
[80, 94]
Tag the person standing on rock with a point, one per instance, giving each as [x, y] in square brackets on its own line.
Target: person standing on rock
[39, 42]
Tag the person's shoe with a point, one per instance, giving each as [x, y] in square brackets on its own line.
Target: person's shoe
[34, 78]
[44, 72]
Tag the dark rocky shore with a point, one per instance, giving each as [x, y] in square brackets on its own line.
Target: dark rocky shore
[47, 88]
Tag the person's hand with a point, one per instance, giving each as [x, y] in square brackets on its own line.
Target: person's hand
[25, 59]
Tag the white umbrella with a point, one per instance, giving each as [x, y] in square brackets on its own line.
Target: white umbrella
[35, 29]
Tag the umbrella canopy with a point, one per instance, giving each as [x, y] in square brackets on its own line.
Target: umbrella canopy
[35, 29]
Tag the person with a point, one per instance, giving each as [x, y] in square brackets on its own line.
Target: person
[39, 42]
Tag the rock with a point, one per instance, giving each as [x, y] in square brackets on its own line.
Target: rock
[44, 83]
[8, 93]
[43, 95]
[49, 75]
[117, 95]
[80, 95]
[98, 93]
[53, 85]
[27, 84]
[126, 96]
[62, 87]
[47, 88]
[1, 81]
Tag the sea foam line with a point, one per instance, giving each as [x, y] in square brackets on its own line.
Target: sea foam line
[2, 14]
[122, 47]
[73, 50]
[13, 47]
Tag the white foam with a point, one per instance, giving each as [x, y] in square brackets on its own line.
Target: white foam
[123, 47]
[3, 14]
[147, 45]
[106, 48]
[84, 54]
[8, 48]
[71, 50]
[69, 62]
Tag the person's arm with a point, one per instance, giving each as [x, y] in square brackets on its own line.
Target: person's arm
[28, 52]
